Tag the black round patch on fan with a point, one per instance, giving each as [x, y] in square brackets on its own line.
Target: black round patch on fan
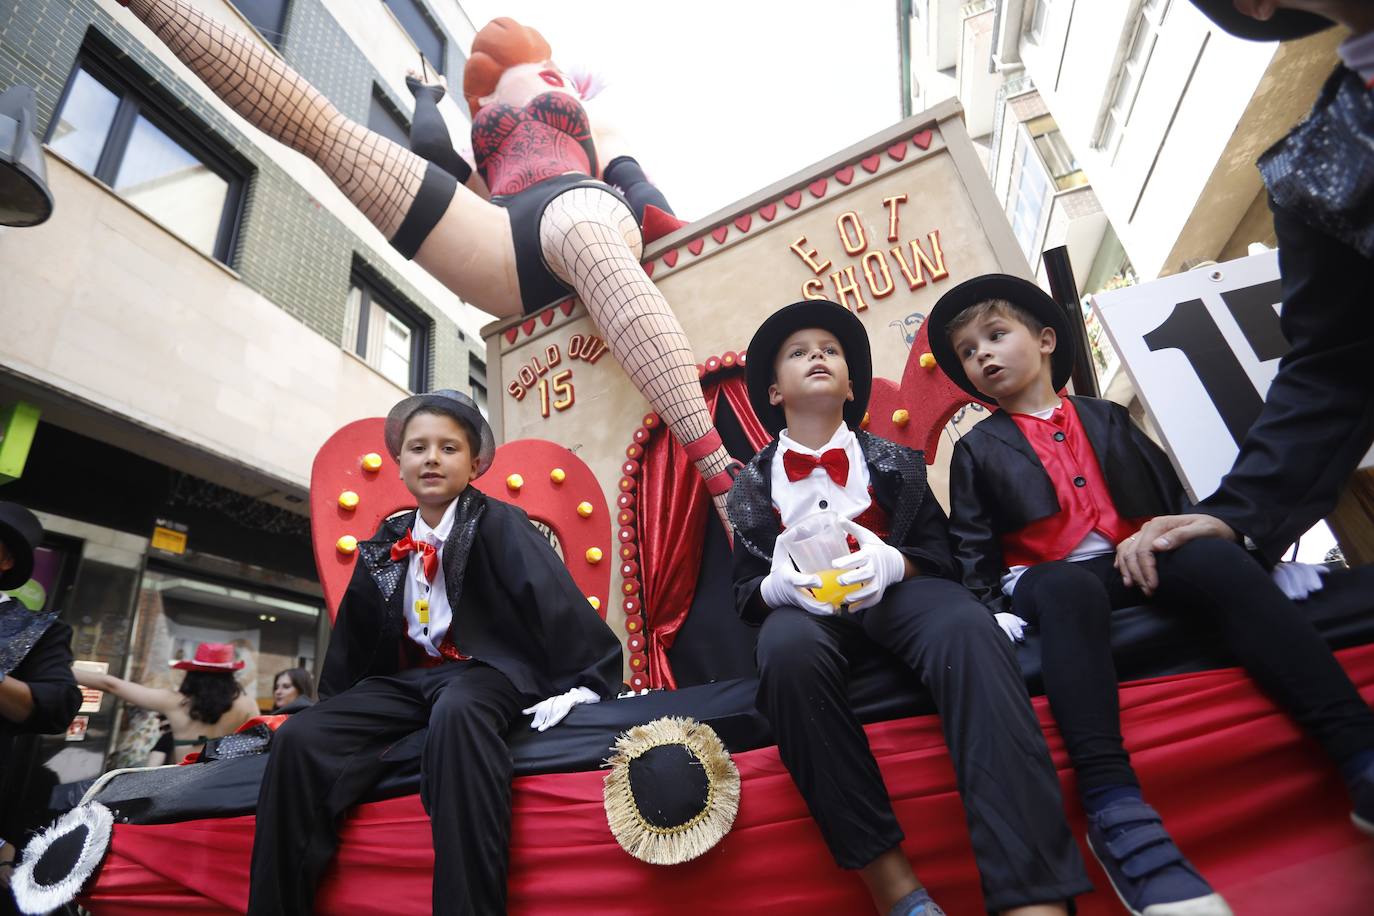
[669, 785]
[61, 856]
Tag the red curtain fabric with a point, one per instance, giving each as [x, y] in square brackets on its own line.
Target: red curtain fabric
[673, 508]
[1249, 798]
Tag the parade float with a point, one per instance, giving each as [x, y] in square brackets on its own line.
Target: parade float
[881, 227]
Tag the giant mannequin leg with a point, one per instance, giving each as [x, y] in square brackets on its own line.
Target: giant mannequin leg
[589, 240]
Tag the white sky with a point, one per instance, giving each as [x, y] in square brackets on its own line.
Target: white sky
[718, 99]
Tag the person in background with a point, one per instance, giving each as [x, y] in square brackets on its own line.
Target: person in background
[292, 691]
[38, 695]
[1318, 416]
[208, 704]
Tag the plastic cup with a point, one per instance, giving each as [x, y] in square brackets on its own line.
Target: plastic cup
[814, 543]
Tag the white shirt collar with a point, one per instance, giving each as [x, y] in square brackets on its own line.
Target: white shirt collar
[842, 438]
[438, 534]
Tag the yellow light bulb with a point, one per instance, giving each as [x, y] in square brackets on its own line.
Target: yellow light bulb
[594, 554]
[372, 462]
[901, 417]
[584, 509]
[346, 544]
[558, 475]
[515, 482]
[348, 500]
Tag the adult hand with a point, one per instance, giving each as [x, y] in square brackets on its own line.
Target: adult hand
[876, 563]
[1135, 556]
[548, 713]
[1013, 626]
[1298, 580]
[784, 586]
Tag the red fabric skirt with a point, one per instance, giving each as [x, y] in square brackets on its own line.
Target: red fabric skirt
[1250, 799]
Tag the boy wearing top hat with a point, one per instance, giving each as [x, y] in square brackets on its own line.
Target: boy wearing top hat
[459, 616]
[38, 695]
[1044, 495]
[809, 376]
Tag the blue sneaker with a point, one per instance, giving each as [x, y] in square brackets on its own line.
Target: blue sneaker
[916, 903]
[1146, 869]
[1362, 791]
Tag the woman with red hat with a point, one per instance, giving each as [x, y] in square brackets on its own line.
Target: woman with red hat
[209, 703]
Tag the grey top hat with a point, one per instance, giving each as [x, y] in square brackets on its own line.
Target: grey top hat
[446, 401]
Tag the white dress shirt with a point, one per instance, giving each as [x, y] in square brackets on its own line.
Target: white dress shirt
[816, 492]
[417, 586]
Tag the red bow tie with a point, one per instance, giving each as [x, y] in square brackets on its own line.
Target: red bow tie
[429, 557]
[835, 461]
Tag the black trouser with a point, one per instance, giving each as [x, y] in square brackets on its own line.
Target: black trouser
[1009, 787]
[326, 758]
[1071, 603]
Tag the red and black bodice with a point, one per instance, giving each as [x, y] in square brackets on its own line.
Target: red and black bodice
[518, 147]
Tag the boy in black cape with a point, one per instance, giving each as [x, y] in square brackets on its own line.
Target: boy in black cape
[459, 616]
[809, 369]
[1044, 495]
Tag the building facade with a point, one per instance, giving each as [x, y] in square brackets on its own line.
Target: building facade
[201, 312]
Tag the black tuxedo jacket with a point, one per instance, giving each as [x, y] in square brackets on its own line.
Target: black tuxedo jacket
[515, 607]
[897, 475]
[997, 485]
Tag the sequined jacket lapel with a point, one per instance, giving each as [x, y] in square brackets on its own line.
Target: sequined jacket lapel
[20, 628]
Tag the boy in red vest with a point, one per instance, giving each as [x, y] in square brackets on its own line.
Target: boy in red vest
[459, 617]
[1043, 493]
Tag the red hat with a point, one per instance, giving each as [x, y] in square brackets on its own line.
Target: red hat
[211, 657]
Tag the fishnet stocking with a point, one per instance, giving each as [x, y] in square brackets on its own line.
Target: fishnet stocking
[379, 177]
[590, 240]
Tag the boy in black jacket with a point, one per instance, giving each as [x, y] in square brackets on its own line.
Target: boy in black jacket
[809, 370]
[457, 617]
[1042, 494]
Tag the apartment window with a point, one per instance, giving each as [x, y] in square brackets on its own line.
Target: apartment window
[382, 118]
[391, 337]
[1040, 14]
[421, 28]
[267, 16]
[1127, 86]
[1032, 190]
[1055, 153]
[156, 160]
[477, 380]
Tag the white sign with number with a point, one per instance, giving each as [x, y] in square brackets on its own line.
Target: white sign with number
[1201, 349]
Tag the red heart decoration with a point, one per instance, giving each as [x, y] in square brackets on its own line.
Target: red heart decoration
[566, 306]
[528, 326]
[719, 233]
[510, 334]
[922, 139]
[870, 164]
[897, 151]
[768, 211]
[695, 246]
[671, 258]
[817, 188]
[742, 223]
[845, 175]
[649, 268]
[793, 200]
[546, 316]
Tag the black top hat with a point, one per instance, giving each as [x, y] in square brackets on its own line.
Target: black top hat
[1015, 290]
[1282, 26]
[808, 313]
[444, 400]
[22, 534]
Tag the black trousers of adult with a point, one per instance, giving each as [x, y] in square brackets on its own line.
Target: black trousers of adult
[324, 760]
[1318, 416]
[1071, 603]
[1009, 787]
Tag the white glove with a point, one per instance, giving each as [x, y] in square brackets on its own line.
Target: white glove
[875, 562]
[1013, 626]
[548, 713]
[784, 586]
[1298, 580]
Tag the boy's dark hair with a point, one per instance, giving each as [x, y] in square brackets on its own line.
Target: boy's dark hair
[1004, 307]
[211, 694]
[470, 434]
